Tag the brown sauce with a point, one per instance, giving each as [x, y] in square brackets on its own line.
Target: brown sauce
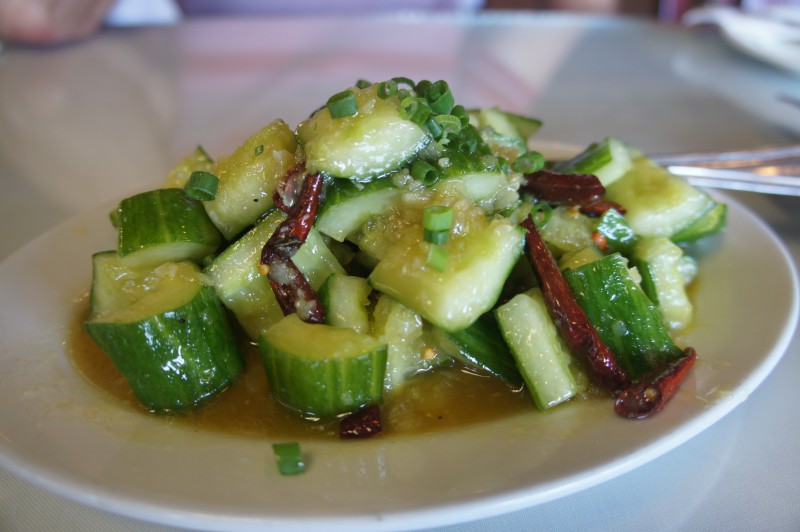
[444, 398]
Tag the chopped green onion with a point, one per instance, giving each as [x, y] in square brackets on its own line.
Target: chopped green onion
[461, 113]
[437, 218]
[440, 98]
[342, 104]
[202, 186]
[437, 257]
[363, 84]
[422, 87]
[402, 80]
[543, 211]
[424, 172]
[528, 163]
[436, 237]
[416, 110]
[386, 89]
[435, 129]
[259, 149]
[450, 124]
[289, 458]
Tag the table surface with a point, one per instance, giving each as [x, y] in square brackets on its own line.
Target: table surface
[96, 121]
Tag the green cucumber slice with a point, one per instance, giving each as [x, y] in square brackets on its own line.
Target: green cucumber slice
[608, 160]
[624, 316]
[542, 358]
[248, 176]
[378, 139]
[659, 263]
[712, 221]
[165, 330]
[348, 205]
[164, 225]
[404, 333]
[481, 346]
[657, 203]
[345, 298]
[477, 267]
[567, 231]
[617, 232]
[198, 160]
[235, 276]
[322, 371]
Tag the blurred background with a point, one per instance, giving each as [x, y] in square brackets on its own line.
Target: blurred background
[44, 22]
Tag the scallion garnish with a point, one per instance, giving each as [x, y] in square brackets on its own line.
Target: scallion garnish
[402, 80]
[528, 163]
[416, 109]
[435, 129]
[440, 98]
[437, 257]
[363, 84]
[289, 458]
[450, 124]
[259, 149]
[202, 186]
[386, 89]
[541, 213]
[424, 172]
[342, 104]
[437, 218]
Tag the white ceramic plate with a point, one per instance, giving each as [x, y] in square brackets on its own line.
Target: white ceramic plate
[61, 433]
[772, 37]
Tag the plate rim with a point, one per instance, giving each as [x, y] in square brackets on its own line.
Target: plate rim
[440, 515]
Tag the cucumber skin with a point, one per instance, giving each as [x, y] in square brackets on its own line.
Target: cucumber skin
[198, 333]
[481, 346]
[627, 321]
[321, 387]
[160, 218]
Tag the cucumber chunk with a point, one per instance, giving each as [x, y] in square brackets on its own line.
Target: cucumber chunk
[659, 263]
[481, 346]
[608, 160]
[348, 205]
[657, 202]
[235, 276]
[322, 371]
[712, 221]
[477, 267]
[403, 331]
[378, 139]
[506, 133]
[345, 299]
[248, 176]
[165, 330]
[198, 160]
[617, 232]
[626, 319]
[164, 225]
[541, 355]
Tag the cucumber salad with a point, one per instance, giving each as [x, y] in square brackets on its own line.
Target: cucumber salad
[393, 233]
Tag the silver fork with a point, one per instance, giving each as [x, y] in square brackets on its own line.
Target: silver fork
[771, 170]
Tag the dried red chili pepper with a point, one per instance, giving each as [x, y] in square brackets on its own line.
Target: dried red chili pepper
[600, 206]
[651, 393]
[362, 423]
[292, 290]
[578, 332]
[563, 189]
